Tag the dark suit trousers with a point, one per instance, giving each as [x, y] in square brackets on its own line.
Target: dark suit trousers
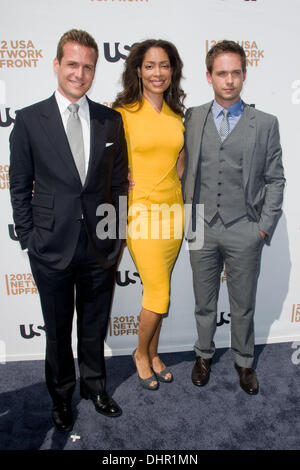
[89, 287]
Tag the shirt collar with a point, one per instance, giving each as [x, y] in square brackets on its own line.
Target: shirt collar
[63, 103]
[235, 109]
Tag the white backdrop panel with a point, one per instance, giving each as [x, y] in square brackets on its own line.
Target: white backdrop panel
[269, 32]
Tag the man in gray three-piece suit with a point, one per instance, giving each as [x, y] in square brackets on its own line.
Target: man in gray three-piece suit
[234, 168]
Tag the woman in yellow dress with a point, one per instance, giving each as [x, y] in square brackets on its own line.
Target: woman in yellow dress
[151, 105]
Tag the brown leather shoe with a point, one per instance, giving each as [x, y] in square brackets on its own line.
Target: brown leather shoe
[248, 379]
[201, 371]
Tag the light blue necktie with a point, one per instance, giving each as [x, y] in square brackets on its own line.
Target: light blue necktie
[224, 127]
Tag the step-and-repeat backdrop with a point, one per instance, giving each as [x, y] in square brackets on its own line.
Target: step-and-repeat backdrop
[269, 32]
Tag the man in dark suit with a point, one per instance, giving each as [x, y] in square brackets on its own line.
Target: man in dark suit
[69, 156]
[233, 168]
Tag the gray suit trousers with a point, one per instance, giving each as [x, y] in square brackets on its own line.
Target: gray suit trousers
[238, 246]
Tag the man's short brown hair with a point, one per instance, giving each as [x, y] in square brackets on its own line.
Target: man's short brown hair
[221, 48]
[79, 36]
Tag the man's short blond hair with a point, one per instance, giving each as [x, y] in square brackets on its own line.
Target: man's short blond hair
[79, 36]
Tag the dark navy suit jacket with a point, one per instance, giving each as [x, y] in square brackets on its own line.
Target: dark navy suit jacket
[47, 196]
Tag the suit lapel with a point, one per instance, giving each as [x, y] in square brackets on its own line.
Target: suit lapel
[197, 132]
[53, 126]
[97, 136]
[249, 146]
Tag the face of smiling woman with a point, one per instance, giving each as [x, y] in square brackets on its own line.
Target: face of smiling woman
[76, 70]
[155, 72]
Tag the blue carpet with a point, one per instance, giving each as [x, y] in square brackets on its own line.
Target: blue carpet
[178, 416]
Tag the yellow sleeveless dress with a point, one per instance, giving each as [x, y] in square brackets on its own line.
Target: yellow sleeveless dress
[155, 205]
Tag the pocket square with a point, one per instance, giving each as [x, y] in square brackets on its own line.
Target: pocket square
[108, 144]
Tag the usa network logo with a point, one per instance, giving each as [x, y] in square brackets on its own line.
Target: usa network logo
[7, 117]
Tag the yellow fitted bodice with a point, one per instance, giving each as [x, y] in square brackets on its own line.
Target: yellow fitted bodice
[154, 141]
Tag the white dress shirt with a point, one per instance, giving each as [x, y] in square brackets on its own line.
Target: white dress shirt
[84, 115]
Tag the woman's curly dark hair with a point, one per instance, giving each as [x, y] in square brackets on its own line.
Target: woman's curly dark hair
[131, 93]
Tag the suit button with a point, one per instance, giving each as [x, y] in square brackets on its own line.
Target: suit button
[218, 205]
[219, 194]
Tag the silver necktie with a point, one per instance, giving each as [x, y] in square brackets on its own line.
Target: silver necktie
[224, 127]
[75, 138]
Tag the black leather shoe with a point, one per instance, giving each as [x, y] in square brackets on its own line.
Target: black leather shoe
[248, 379]
[104, 404]
[62, 417]
[201, 371]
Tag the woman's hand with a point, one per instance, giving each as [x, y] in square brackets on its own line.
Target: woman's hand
[130, 181]
[180, 164]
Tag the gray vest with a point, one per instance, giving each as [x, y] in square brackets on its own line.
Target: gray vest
[220, 185]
